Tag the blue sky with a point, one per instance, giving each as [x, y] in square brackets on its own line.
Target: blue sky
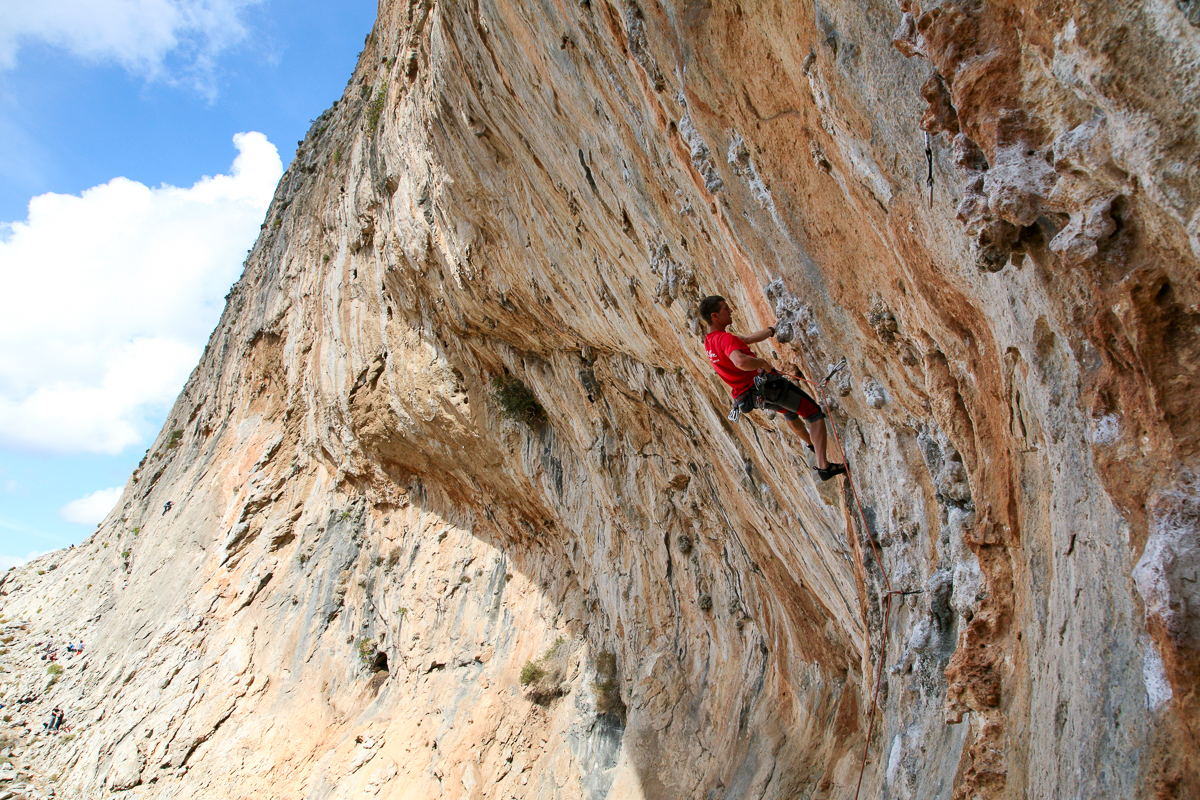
[140, 141]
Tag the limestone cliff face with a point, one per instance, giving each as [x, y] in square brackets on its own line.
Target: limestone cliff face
[363, 554]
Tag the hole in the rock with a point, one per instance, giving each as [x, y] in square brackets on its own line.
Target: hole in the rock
[1031, 235]
[379, 664]
[1163, 296]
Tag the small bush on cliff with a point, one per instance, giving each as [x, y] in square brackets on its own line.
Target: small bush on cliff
[530, 673]
[516, 401]
[545, 679]
[366, 651]
[375, 109]
[54, 669]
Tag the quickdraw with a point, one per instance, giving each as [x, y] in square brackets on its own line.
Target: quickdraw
[929, 164]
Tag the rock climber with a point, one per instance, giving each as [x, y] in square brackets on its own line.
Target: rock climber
[167, 506]
[755, 383]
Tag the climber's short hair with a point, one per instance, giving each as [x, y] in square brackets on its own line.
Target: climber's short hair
[709, 306]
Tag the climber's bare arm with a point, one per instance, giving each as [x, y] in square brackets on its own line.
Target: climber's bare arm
[758, 336]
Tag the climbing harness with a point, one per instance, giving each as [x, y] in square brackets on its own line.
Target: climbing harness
[929, 164]
[768, 388]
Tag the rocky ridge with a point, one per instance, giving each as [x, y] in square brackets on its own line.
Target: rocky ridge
[366, 565]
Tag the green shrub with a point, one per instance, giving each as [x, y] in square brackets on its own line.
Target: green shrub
[176, 438]
[516, 401]
[554, 649]
[545, 676]
[375, 109]
[125, 554]
[54, 669]
[531, 672]
[366, 651]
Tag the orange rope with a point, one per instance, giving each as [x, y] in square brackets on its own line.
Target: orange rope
[887, 613]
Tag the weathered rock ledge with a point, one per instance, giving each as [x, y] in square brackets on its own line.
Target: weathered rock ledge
[362, 554]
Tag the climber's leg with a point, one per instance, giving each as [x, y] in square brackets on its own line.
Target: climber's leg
[816, 432]
[799, 429]
[806, 418]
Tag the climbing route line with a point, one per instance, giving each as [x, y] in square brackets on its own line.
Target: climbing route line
[887, 597]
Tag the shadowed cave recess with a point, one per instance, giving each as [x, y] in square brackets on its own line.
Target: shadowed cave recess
[378, 576]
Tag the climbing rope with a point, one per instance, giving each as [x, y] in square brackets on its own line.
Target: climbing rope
[887, 598]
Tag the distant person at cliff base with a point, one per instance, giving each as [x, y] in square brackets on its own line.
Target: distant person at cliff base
[757, 384]
[56, 719]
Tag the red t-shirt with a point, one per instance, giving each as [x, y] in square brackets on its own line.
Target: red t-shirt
[719, 345]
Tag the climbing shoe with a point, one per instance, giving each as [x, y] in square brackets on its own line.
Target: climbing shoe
[831, 470]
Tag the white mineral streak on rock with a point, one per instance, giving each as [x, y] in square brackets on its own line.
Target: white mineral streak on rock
[1154, 674]
[1168, 573]
[1105, 429]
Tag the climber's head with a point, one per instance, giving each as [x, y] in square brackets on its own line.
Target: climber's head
[715, 311]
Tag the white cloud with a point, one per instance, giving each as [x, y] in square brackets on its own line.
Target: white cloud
[137, 34]
[110, 296]
[7, 562]
[92, 508]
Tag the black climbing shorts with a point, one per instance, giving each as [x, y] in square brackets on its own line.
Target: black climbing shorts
[777, 393]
